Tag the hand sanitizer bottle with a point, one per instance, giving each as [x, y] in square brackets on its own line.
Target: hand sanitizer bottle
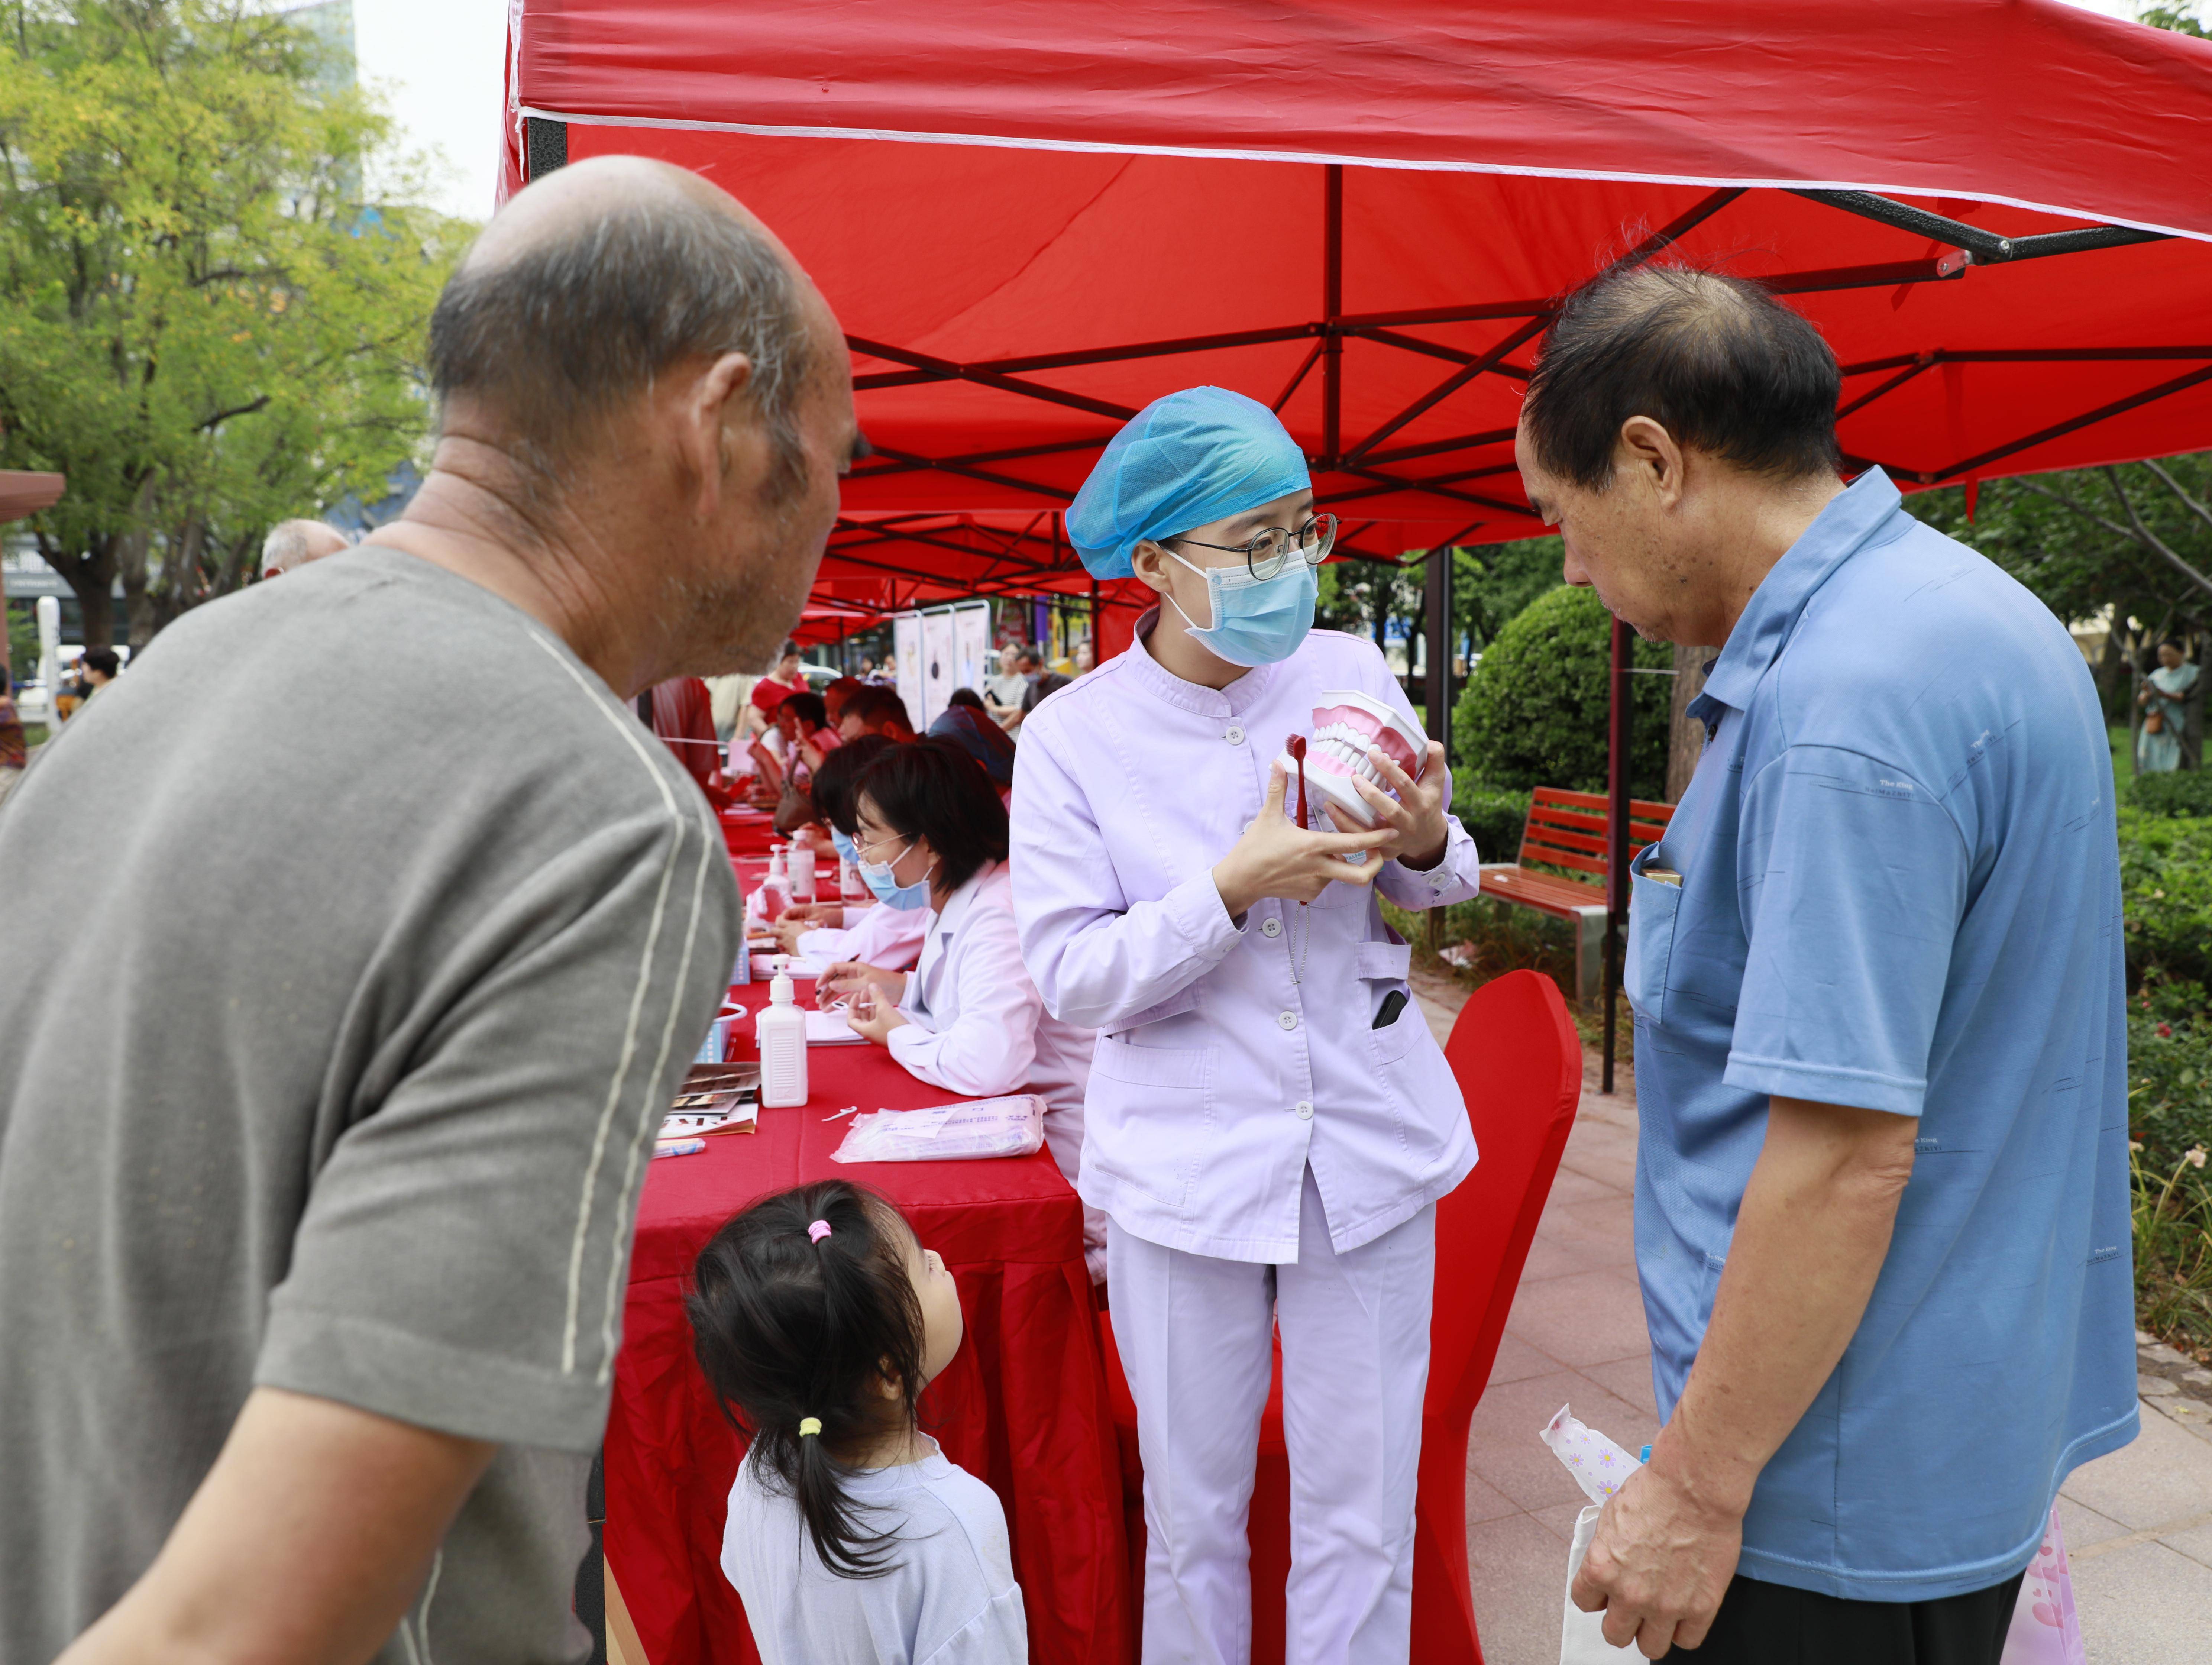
[802, 872]
[776, 889]
[781, 1033]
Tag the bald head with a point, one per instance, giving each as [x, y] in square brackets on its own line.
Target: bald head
[594, 281]
[295, 542]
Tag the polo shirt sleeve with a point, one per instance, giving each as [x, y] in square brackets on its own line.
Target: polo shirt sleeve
[1853, 880]
[462, 1260]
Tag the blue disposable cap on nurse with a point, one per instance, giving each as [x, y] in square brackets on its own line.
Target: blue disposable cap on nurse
[1183, 461]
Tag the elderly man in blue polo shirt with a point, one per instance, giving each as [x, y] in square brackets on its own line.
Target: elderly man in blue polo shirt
[1881, 1214]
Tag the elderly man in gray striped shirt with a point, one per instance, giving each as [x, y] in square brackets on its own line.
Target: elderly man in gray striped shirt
[339, 1012]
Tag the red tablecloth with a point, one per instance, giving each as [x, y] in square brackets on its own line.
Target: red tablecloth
[750, 831]
[1024, 1405]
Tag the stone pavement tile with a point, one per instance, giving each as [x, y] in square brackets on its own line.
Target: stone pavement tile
[1555, 1257]
[1570, 1185]
[1601, 1232]
[2084, 1526]
[1518, 1572]
[2196, 1544]
[1484, 1502]
[1559, 1519]
[1629, 1380]
[1613, 1169]
[1583, 1318]
[2166, 1474]
[1517, 1361]
[2144, 1605]
[1503, 1447]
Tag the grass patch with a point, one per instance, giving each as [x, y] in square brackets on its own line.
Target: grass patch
[2173, 1252]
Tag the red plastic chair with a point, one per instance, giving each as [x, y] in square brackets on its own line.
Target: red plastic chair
[1518, 1063]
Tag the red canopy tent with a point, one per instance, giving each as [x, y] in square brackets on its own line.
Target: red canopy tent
[1033, 216]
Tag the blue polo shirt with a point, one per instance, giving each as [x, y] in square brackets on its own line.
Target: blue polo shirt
[1901, 889]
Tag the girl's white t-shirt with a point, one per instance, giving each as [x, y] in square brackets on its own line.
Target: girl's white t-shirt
[950, 1598]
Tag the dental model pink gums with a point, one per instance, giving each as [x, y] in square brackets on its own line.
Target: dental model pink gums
[1344, 728]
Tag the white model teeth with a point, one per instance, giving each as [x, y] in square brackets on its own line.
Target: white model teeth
[1348, 747]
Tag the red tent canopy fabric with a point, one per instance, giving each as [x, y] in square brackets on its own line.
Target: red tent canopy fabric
[1032, 217]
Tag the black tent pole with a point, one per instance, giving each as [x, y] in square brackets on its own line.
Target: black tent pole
[1616, 833]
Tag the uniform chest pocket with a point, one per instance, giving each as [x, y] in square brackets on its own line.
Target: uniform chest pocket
[1653, 905]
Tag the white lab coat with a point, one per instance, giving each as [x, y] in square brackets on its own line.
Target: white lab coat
[876, 935]
[975, 1025]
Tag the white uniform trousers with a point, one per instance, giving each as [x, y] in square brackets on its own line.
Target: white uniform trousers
[1195, 1336]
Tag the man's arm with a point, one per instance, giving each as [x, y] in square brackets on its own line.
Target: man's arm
[303, 1545]
[1810, 1240]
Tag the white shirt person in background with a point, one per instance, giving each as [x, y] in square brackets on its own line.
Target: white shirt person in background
[932, 841]
[1268, 1124]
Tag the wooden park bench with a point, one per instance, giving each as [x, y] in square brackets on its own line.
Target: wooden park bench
[1567, 829]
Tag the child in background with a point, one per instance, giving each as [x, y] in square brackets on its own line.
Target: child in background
[818, 1318]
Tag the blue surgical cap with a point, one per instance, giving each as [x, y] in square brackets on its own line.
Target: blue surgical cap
[1186, 460]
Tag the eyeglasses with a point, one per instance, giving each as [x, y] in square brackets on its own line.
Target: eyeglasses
[1268, 550]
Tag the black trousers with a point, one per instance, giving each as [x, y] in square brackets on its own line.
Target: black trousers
[1764, 1624]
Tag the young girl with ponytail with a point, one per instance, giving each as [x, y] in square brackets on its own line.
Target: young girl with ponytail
[818, 1318]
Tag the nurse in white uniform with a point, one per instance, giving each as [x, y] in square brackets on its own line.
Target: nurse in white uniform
[1269, 1122]
[932, 837]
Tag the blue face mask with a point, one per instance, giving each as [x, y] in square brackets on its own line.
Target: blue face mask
[1256, 621]
[846, 849]
[907, 898]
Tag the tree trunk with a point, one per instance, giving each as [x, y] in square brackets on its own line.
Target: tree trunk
[1686, 736]
[90, 574]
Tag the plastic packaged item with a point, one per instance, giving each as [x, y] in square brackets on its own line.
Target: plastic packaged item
[2045, 1630]
[848, 879]
[1009, 1127]
[1600, 1467]
[802, 873]
[780, 1032]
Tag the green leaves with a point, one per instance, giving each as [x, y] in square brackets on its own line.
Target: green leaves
[202, 321]
[1533, 714]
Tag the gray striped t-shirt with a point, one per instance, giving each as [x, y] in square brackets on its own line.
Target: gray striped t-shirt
[350, 948]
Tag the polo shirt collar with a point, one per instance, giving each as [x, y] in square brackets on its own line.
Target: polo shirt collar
[1838, 531]
[1162, 684]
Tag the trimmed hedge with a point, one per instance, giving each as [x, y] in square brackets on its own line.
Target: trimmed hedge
[2181, 792]
[1533, 714]
[1493, 817]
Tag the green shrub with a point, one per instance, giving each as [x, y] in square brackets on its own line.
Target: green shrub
[1533, 714]
[2165, 898]
[1494, 819]
[2182, 792]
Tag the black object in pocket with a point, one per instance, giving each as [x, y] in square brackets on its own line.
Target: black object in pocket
[1387, 1013]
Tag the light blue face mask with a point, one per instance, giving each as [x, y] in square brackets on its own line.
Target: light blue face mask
[1256, 621]
[846, 850]
[907, 898]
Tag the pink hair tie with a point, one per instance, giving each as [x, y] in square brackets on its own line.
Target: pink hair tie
[817, 1231]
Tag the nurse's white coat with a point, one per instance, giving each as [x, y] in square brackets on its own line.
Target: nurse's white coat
[1230, 1059]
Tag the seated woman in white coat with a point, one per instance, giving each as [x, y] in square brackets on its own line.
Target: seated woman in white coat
[932, 836]
[827, 932]
[1270, 1124]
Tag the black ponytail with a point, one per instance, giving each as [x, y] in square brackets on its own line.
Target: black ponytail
[787, 1328]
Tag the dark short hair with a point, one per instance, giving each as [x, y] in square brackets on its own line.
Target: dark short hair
[933, 790]
[788, 651]
[1716, 360]
[1026, 652]
[841, 771]
[874, 706]
[965, 696]
[105, 660]
[807, 707]
[787, 1325]
[844, 688]
[569, 330]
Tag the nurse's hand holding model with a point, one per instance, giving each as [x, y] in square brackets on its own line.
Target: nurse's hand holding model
[1269, 1122]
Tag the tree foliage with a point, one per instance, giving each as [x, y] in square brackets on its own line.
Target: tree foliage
[203, 323]
[1533, 714]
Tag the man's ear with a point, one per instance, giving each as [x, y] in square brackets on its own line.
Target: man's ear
[719, 434]
[1647, 447]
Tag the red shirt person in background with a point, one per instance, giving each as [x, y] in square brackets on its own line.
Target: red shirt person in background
[683, 721]
[769, 692]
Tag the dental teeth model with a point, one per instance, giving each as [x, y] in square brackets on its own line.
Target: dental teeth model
[1344, 727]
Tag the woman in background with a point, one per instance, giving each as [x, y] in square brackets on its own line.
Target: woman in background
[868, 931]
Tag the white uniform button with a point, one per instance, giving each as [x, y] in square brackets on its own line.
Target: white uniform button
[1236, 734]
[1305, 1110]
[1271, 927]
[1288, 1020]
